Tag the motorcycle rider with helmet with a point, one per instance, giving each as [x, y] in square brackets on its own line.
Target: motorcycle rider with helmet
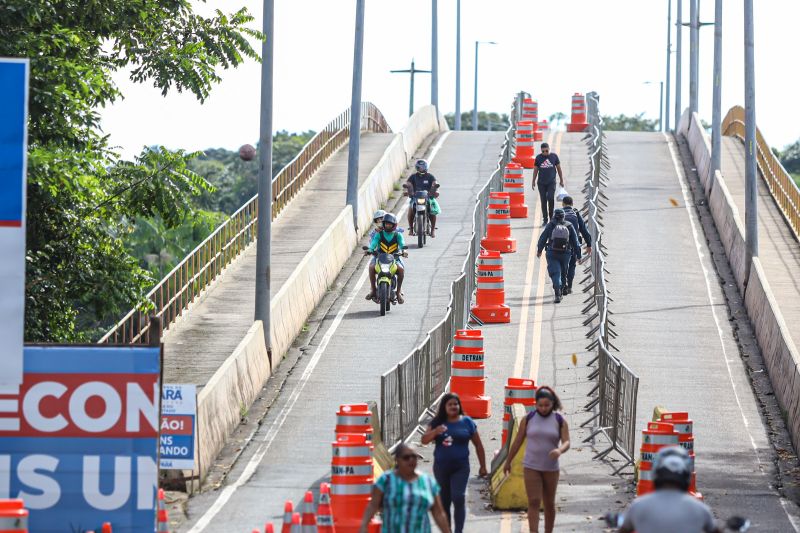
[421, 180]
[670, 508]
[391, 241]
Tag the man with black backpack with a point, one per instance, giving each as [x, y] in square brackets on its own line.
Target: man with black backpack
[560, 239]
[574, 217]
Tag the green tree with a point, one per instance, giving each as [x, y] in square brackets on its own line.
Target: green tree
[790, 159]
[557, 118]
[83, 199]
[627, 123]
[486, 121]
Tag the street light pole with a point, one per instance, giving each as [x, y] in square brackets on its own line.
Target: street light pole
[413, 70]
[264, 229]
[355, 114]
[751, 186]
[661, 106]
[678, 63]
[716, 112]
[457, 125]
[669, 58]
[694, 57]
[435, 55]
[475, 92]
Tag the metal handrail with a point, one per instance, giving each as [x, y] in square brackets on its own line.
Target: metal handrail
[780, 183]
[173, 294]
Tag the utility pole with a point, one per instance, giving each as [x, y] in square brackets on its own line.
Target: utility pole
[669, 58]
[435, 55]
[457, 125]
[355, 115]
[750, 146]
[264, 230]
[694, 56]
[678, 63]
[716, 112]
[413, 70]
[661, 106]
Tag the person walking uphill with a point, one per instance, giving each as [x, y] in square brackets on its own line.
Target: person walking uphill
[561, 240]
[547, 437]
[545, 167]
[404, 497]
[453, 431]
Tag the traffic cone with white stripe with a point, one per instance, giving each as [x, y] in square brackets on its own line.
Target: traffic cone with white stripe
[106, 527]
[269, 528]
[163, 518]
[288, 510]
[297, 523]
[309, 519]
[324, 513]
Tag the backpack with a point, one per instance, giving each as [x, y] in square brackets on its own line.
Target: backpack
[559, 418]
[571, 216]
[559, 238]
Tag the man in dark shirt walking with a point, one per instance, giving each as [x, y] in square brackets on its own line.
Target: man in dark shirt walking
[544, 175]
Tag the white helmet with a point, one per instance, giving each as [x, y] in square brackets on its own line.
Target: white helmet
[380, 213]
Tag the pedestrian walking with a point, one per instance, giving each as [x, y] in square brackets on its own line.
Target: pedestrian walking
[404, 496]
[453, 431]
[573, 216]
[547, 437]
[560, 239]
[545, 167]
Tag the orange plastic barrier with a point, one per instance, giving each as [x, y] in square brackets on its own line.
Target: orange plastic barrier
[657, 435]
[521, 391]
[498, 225]
[514, 185]
[354, 418]
[162, 516]
[530, 110]
[468, 378]
[524, 141]
[324, 512]
[684, 427]
[578, 114]
[351, 480]
[13, 516]
[288, 511]
[490, 297]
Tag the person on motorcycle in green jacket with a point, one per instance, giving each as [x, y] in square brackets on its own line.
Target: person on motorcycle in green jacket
[388, 241]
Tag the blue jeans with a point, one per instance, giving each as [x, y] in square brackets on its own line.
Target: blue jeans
[568, 275]
[558, 266]
[452, 477]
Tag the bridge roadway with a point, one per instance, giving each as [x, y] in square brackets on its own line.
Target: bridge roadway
[779, 250]
[224, 313]
[291, 452]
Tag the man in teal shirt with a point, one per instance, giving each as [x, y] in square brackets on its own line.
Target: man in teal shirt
[388, 241]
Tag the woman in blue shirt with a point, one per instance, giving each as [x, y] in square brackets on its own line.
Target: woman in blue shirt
[453, 430]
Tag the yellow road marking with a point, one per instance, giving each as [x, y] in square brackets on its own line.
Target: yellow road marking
[505, 523]
[538, 310]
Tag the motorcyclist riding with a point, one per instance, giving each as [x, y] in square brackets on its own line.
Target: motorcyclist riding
[421, 180]
[670, 508]
[389, 241]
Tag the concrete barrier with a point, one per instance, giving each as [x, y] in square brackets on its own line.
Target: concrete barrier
[780, 354]
[508, 491]
[235, 385]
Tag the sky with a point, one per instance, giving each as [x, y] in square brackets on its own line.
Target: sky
[549, 49]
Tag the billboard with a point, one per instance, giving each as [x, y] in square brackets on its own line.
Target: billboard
[178, 416]
[13, 159]
[79, 437]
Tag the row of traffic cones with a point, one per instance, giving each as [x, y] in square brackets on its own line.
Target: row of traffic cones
[308, 520]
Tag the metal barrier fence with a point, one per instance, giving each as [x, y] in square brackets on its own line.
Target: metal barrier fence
[614, 397]
[173, 294]
[780, 183]
[411, 388]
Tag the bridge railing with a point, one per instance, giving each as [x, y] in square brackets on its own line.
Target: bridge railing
[413, 386]
[780, 183]
[173, 294]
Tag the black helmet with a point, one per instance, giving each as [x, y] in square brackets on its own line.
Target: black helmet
[389, 218]
[672, 466]
[421, 165]
[559, 215]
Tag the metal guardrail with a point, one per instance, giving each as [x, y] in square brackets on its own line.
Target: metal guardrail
[780, 183]
[413, 386]
[173, 294]
[614, 397]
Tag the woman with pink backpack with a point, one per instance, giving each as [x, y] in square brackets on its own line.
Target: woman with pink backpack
[547, 437]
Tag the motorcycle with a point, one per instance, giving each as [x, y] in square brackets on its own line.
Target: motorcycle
[386, 279]
[734, 523]
[422, 217]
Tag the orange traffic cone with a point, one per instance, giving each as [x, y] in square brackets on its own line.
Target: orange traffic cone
[467, 373]
[521, 391]
[524, 140]
[163, 518]
[514, 185]
[106, 527]
[354, 418]
[269, 528]
[490, 297]
[578, 114]
[297, 524]
[498, 224]
[309, 519]
[375, 525]
[657, 435]
[13, 516]
[324, 513]
[530, 111]
[288, 510]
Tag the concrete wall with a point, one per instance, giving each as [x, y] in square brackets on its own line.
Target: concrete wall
[235, 385]
[780, 354]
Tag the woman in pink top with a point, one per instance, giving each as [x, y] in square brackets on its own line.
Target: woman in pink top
[547, 436]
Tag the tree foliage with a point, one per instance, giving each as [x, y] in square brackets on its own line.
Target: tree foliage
[627, 123]
[486, 121]
[83, 199]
